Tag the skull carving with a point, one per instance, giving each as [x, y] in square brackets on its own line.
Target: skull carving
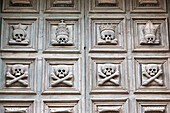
[18, 70]
[152, 69]
[108, 69]
[149, 33]
[61, 71]
[107, 33]
[19, 34]
[62, 34]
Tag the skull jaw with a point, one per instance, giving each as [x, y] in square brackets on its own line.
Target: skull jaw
[108, 73]
[61, 75]
[17, 74]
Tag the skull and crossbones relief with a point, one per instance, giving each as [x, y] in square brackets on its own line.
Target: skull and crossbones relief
[61, 75]
[107, 34]
[150, 34]
[62, 35]
[17, 73]
[152, 74]
[19, 35]
[108, 73]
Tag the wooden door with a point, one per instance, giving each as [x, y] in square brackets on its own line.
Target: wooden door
[85, 56]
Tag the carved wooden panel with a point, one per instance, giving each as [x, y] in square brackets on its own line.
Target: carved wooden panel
[107, 75]
[151, 73]
[18, 74]
[148, 5]
[107, 34]
[61, 106]
[62, 35]
[20, 6]
[19, 34]
[61, 75]
[62, 6]
[150, 34]
[17, 106]
[153, 105]
[109, 105]
[106, 6]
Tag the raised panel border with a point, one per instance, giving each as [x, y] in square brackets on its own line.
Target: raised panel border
[62, 49]
[122, 88]
[5, 34]
[93, 47]
[33, 9]
[75, 89]
[164, 46]
[137, 60]
[32, 62]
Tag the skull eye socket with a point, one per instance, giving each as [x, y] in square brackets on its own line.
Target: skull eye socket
[21, 35]
[16, 34]
[150, 69]
[107, 69]
[15, 69]
[19, 69]
[63, 70]
[110, 35]
[110, 68]
[154, 69]
[105, 35]
[60, 38]
[63, 38]
[59, 70]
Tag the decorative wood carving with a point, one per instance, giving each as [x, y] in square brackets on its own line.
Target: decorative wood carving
[151, 34]
[148, 1]
[61, 110]
[107, 1]
[153, 109]
[107, 33]
[16, 110]
[17, 73]
[62, 2]
[108, 74]
[109, 109]
[152, 74]
[20, 2]
[62, 35]
[61, 75]
[19, 35]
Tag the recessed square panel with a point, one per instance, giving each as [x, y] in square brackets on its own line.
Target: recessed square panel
[61, 106]
[109, 105]
[153, 105]
[107, 34]
[17, 106]
[107, 6]
[150, 34]
[148, 5]
[108, 75]
[62, 35]
[20, 6]
[18, 75]
[62, 6]
[151, 74]
[19, 34]
[61, 75]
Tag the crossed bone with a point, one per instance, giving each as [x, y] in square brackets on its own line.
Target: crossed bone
[61, 80]
[150, 78]
[102, 81]
[15, 79]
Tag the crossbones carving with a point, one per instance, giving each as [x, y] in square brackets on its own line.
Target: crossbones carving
[152, 72]
[61, 75]
[17, 73]
[108, 73]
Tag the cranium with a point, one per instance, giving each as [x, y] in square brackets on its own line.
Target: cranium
[18, 69]
[107, 35]
[152, 69]
[150, 32]
[62, 39]
[19, 33]
[108, 69]
[62, 71]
